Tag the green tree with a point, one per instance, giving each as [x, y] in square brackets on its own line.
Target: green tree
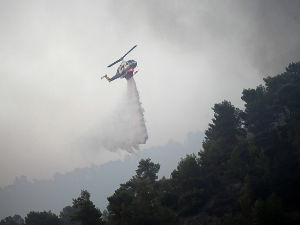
[238, 219]
[264, 170]
[41, 218]
[227, 124]
[145, 208]
[147, 170]
[245, 203]
[269, 211]
[65, 215]
[87, 212]
[289, 96]
[12, 220]
[188, 185]
[187, 175]
[123, 197]
[221, 137]
[284, 92]
[137, 201]
[259, 115]
[236, 160]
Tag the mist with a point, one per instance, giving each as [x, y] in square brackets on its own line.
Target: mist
[264, 33]
[123, 129]
[56, 112]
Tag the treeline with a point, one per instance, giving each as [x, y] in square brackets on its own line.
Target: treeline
[247, 172]
[83, 212]
[24, 195]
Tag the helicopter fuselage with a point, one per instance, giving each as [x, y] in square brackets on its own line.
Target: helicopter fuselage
[125, 67]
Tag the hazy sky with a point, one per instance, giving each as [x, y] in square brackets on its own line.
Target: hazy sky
[191, 55]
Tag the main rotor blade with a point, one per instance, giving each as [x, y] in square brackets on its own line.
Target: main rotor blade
[119, 60]
[115, 62]
[128, 51]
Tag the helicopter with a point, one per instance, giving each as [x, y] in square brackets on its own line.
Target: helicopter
[125, 70]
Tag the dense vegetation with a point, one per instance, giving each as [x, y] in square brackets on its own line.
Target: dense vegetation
[247, 172]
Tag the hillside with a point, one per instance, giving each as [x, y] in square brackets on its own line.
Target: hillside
[101, 180]
[247, 172]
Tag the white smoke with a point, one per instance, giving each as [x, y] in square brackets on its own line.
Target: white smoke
[124, 129]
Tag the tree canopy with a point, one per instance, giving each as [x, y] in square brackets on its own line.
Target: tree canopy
[248, 170]
[137, 201]
[87, 212]
[12, 220]
[65, 215]
[41, 218]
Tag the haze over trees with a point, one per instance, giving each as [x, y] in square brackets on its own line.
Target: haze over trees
[24, 195]
[247, 172]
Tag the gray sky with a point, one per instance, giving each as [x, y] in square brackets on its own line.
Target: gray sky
[191, 55]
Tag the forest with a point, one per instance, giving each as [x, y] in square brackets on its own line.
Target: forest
[246, 172]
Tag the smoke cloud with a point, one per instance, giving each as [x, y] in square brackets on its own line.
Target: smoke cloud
[265, 33]
[124, 129]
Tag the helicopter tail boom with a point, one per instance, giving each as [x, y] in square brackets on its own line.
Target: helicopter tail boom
[107, 78]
